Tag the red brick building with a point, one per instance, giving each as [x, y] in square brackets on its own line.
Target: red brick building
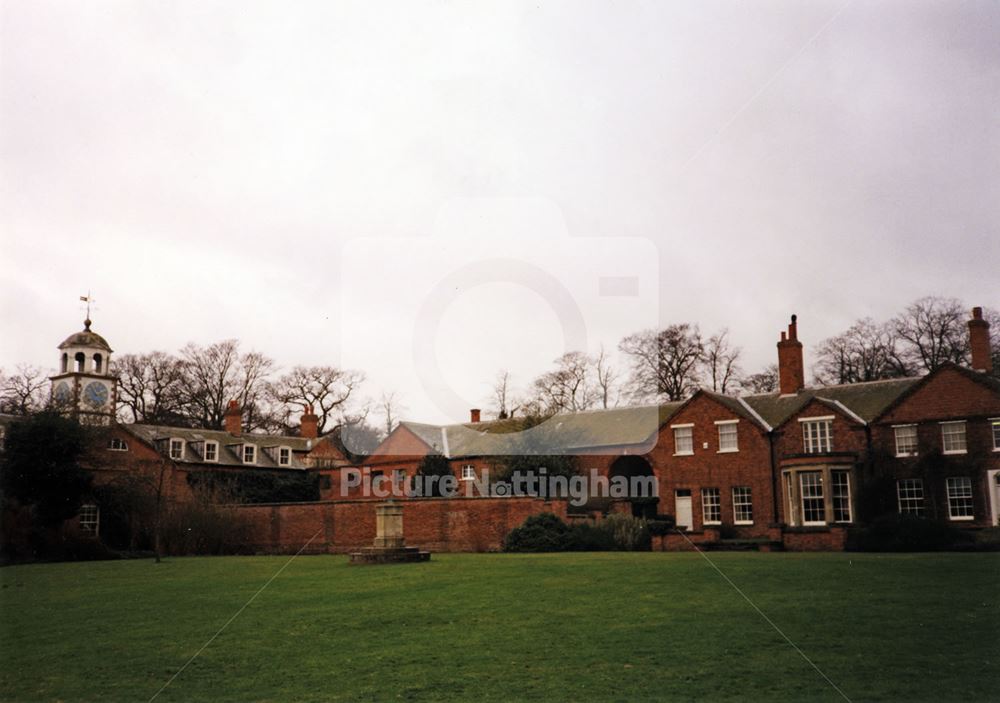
[797, 467]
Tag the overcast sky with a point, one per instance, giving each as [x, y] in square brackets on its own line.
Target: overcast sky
[403, 186]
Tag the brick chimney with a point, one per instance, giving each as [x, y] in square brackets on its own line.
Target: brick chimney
[979, 342]
[232, 421]
[474, 415]
[309, 424]
[791, 370]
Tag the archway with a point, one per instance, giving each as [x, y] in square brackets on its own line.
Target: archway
[643, 494]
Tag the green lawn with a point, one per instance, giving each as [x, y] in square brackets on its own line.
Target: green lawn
[564, 627]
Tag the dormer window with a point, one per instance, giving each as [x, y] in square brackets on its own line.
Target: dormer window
[284, 456]
[176, 448]
[249, 454]
[211, 451]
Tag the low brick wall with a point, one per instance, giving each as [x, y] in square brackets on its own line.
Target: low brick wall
[675, 542]
[433, 524]
[814, 539]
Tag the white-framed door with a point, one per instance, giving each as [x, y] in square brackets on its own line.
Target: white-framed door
[682, 506]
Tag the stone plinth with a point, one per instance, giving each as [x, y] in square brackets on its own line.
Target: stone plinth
[389, 546]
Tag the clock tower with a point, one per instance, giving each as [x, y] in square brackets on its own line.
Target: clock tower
[84, 385]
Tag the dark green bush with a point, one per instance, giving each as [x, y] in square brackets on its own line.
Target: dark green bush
[586, 537]
[662, 525]
[545, 532]
[908, 533]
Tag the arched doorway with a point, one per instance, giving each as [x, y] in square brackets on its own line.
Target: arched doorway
[643, 494]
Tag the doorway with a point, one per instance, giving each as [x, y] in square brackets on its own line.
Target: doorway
[682, 505]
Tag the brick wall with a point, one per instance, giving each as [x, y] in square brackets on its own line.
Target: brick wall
[435, 524]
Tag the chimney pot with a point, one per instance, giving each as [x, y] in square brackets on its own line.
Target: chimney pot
[474, 415]
[309, 424]
[979, 342]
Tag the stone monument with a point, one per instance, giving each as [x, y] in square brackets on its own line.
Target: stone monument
[389, 546]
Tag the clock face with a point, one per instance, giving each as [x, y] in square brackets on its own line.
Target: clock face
[62, 392]
[95, 394]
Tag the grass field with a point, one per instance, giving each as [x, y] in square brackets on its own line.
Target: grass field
[563, 627]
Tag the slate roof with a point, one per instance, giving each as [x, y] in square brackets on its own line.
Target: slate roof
[595, 429]
[866, 400]
[159, 436]
[589, 429]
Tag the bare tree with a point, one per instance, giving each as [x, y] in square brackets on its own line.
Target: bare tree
[23, 392]
[569, 387]
[865, 352]
[327, 389]
[390, 407]
[606, 379]
[765, 381]
[721, 361]
[931, 331]
[502, 396]
[150, 387]
[218, 373]
[664, 362]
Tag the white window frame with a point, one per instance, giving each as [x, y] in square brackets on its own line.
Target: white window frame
[965, 483]
[995, 428]
[804, 497]
[252, 448]
[739, 504]
[287, 460]
[916, 440]
[944, 435]
[910, 499]
[170, 448]
[90, 525]
[811, 435]
[117, 444]
[711, 499]
[837, 497]
[469, 472]
[727, 425]
[689, 430]
[215, 447]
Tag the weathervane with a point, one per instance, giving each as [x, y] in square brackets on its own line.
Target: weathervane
[88, 299]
